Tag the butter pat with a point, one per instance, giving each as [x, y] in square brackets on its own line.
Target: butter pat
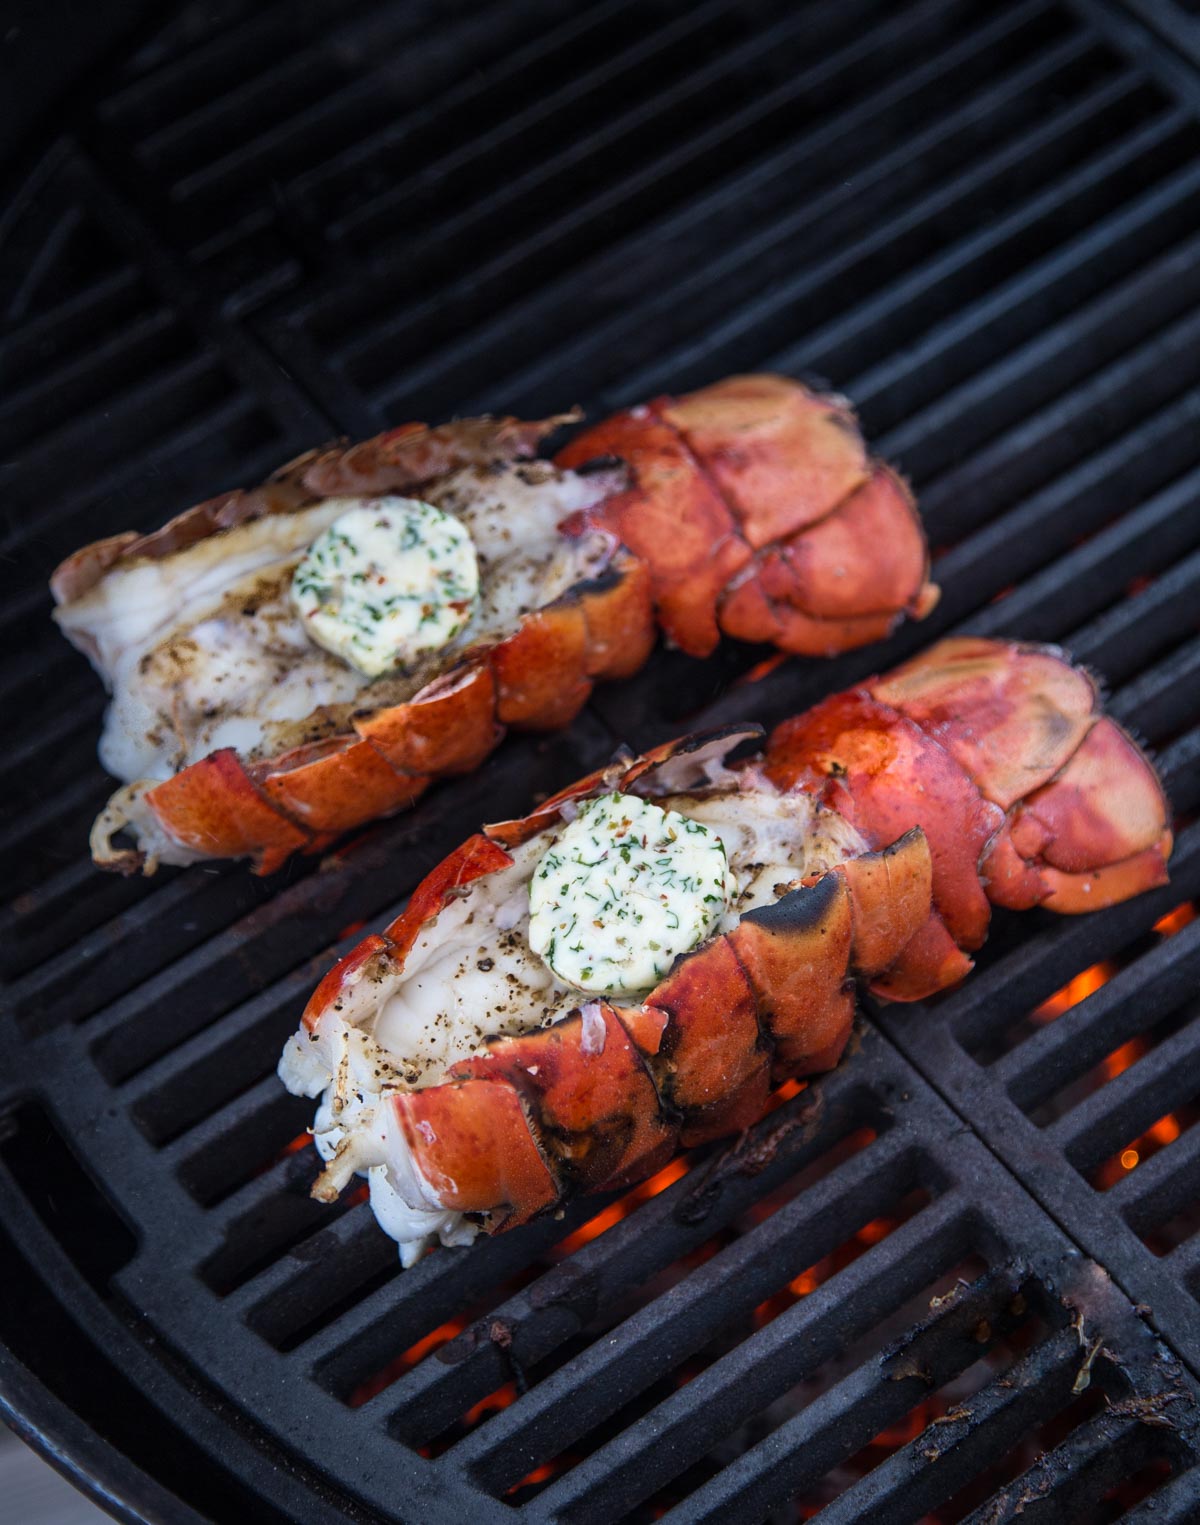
[622, 891]
[390, 579]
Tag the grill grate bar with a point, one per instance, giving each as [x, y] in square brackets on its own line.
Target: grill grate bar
[1080, 1038]
[916, 1478]
[1020, 317]
[147, 338]
[780, 1465]
[287, 1282]
[517, 56]
[1154, 700]
[1015, 543]
[666, 1225]
[1048, 956]
[569, 1403]
[1066, 197]
[1122, 638]
[627, 1255]
[74, 725]
[1173, 1503]
[77, 802]
[1155, 294]
[211, 64]
[164, 924]
[219, 1154]
[1184, 1263]
[823, 1434]
[188, 412]
[374, 217]
[721, 347]
[1127, 1105]
[1159, 1186]
[221, 1046]
[1067, 276]
[239, 166]
[33, 932]
[355, 1343]
[1178, 766]
[570, 350]
[700, 290]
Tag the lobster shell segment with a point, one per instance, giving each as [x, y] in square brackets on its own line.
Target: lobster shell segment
[891, 893]
[886, 775]
[332, 783]
[597, 1095]
[452, 1131]
[760, 514]
[796, 955]
[215, 809]
[586, 1087]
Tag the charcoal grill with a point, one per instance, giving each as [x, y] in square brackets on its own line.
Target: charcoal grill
[959, 1277]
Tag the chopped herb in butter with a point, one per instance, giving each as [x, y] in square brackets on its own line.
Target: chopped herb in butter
[622, 891]
[389, 579]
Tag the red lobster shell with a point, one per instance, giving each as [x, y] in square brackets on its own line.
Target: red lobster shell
[760, 514]
[979, 773]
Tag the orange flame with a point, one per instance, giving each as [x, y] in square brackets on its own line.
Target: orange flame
[809, 1280]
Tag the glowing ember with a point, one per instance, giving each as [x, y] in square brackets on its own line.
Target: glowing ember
[405, 1361]
[490, 1405]
[538, 1475]
[620, 1209]
[1175, 921]
[1165, 1131]
[1075, 991]
[809, 1280]
[763, 669]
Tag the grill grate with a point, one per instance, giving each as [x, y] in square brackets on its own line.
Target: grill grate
[957, 1279]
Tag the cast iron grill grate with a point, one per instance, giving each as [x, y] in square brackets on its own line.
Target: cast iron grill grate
[959, 1277]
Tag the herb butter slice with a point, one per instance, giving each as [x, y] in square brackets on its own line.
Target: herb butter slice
[622, 891]
[389, 579]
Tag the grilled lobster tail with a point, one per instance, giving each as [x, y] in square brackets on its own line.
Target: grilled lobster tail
[537, 677]
[751, 506]
[980, 773]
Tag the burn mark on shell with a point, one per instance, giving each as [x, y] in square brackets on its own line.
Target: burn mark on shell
[800, 910]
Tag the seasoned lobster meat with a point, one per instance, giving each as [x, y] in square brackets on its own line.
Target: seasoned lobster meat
[571, 997]
[289, 662]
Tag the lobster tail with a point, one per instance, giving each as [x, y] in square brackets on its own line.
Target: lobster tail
[980, 773]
